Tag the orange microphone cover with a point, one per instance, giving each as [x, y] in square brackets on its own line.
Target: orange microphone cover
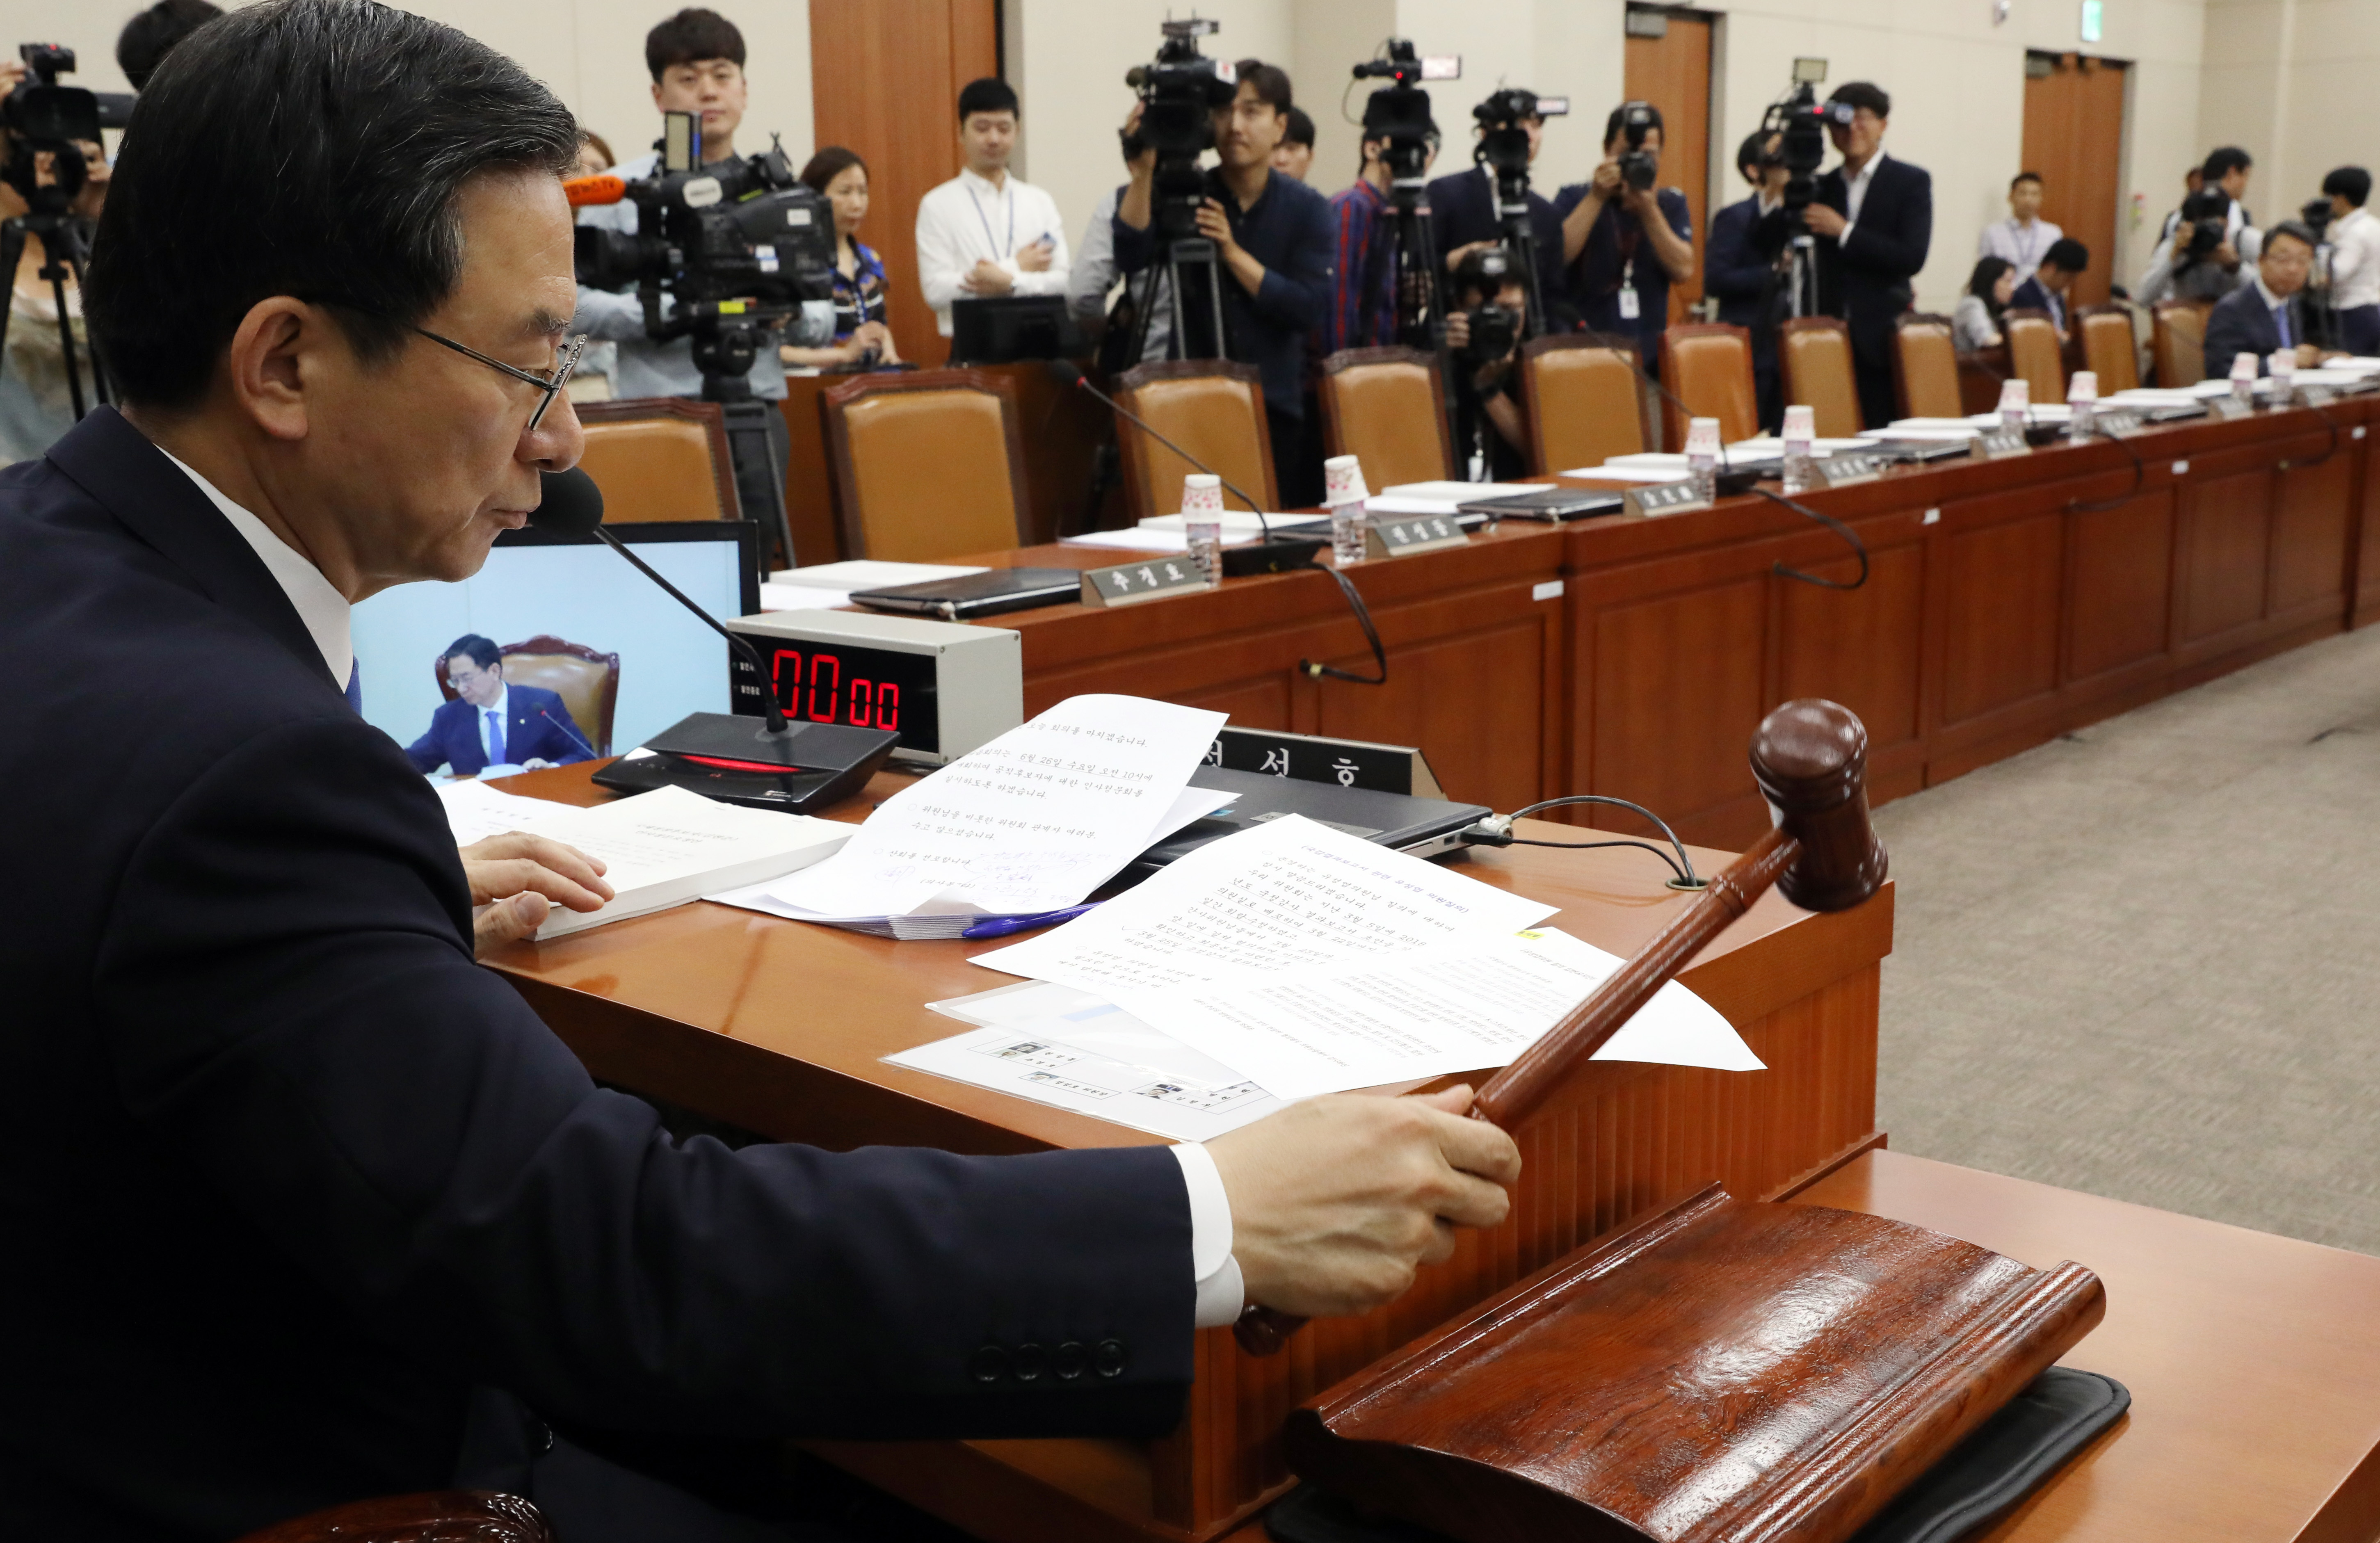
[602, 187]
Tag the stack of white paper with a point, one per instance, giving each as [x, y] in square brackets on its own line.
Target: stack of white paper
[1033, 822]
[823, 585]
[1439, 498]
[660, 849]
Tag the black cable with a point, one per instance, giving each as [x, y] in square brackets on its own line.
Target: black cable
[1497, 831]
[1371, 635]
[2100, 506]
[1851, 537]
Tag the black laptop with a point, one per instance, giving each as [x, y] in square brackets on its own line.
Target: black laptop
[1425, 827]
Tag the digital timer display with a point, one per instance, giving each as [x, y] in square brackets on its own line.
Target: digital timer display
[866, 688]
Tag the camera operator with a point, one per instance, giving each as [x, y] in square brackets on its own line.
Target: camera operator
[1463, 207]
[1124, 334]
[1364, 276]
[1873, 219]
[1272, 237]
[36, 402]
[1624, 244]
[1488, 313]
[1741, 273]
[2197, 260]
[2354, 260]
[2269, 312]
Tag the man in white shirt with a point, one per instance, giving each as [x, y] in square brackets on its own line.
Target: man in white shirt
[2024, 238]
[2354, 260]
[984, 232]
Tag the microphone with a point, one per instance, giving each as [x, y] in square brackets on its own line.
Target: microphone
[1293, 552]
[573, 505]
[575, 736]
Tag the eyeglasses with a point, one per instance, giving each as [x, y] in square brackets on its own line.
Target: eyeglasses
[550, 386]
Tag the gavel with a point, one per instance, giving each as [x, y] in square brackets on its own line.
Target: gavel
[1810, 759]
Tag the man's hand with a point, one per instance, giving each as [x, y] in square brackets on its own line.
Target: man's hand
[1454, 259]
[2225, 256]
[2310, 355]
[537, 764]
[1458, 329]
[987, 277]
[1606, 183]
[1336, 1201]
[1216, 226]
[875, 335]
[515, 875]
[1825, 220]
[1034, 256]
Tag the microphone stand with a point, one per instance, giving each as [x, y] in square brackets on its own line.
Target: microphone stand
[778, 727]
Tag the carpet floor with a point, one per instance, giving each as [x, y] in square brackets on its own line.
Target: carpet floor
[2143, 960]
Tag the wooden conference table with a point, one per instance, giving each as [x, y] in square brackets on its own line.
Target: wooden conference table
[2255, 1360]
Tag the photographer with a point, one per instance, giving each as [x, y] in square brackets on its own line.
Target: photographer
[1873, 219]
[36, 400]
[1463, 207]
[2354, 260]
[1746, 239]
[1363, 278]
[2197, 260]
[1488, 311]
[1272, 236]
[1623, 244]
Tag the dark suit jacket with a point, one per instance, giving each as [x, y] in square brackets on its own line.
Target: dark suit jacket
[2034, 295]
[1867, 277]
[2243, 324]
[1735, 270]
[1462, 210]
[537, 727]
[285, 1176]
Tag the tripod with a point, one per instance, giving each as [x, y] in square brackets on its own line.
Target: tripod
[64, 256]
[724, 348]
[1801, 277]
[1189, 283]
[1521, 239]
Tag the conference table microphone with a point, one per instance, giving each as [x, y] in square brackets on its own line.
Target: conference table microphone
[1272, 554]
[766, 762]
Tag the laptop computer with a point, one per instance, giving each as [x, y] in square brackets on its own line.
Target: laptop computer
[1425, 827]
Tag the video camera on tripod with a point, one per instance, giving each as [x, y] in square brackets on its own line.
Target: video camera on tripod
[1399, 113]
[1801, 120]
[1179, 91]
[1503, 153]
[45, 119]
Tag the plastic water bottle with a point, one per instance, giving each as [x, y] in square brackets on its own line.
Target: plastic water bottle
[1801, 462]
[2016, 401]
[1344, 495]
[1202, 524]
[2284, 365]
[2244, 379]
[1702, 457]
[2082, 403]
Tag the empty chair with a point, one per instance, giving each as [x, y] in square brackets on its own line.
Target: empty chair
[1814, 353]
[927, 465]
[660, 459]
[1708, 367]
[1926, 366]
[1387, 407]
[2178, 343]
[2110, 348]
[1580, 394]
[2033, 353]
[1214, 409]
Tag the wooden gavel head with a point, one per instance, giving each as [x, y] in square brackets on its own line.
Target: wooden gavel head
[1810, 757]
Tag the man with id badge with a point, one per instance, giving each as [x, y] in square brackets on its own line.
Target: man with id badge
[1624, 242]
[985, 231]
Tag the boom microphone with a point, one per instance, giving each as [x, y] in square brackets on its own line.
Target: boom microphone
[576, 738]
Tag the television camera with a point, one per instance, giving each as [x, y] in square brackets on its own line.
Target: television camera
[47, 122]
[1399, 113]
[1800, 122]
[1179, 91]
[1503, 153]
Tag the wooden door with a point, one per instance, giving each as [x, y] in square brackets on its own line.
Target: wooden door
[1673, 73]
[2074, 136]
[884, 78]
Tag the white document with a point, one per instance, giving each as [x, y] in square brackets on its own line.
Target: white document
[867, 574]
[1457, 1007]
[797, 597]
[1630, 474]
[1288, 895]
[1440, 497]
[1239, 524]
[660, 849]
[1033, 822]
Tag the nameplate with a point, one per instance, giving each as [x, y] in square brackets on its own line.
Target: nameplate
[2115, 423]
[1402, 535]
[1999, 444]
[2314, 397]
[1312, 759]
[1664, 498]
[1843, 470]
[2231, 408]
[1131, 583]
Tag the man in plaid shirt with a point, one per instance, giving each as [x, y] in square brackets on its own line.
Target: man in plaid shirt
[1362, 311]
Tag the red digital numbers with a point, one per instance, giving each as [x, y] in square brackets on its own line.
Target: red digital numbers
[862, 703]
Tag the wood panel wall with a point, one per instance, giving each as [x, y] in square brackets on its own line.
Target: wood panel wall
[885, 78]
[2074, 137]
[1673, 73]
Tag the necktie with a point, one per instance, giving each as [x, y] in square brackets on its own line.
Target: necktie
[495, 738]
[355, 685]
[2281, 323]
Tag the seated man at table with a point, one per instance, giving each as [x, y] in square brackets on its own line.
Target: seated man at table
[2267, 314]
[491, 723]
[304, 1206]
[2048, 286]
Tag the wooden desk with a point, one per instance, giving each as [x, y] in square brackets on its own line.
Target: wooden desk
[780, 1028]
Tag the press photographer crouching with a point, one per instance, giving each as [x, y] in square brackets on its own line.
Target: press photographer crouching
[2200, 261]
[1488, 311]
[1623, 243]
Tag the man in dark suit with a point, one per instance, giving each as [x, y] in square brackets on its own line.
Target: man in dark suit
[303, 1206]
[2267, 313]
[2050, 284]
[1740, 266]
[1462, 213]
[493, 724]
[1873, 219]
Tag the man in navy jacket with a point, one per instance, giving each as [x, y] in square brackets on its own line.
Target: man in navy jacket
[1873, 219]
[1739, 264]
[2267, 313]
[493, 723]
[302, 1205]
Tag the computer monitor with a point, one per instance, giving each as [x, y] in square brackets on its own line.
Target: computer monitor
[1002, 329]
[537, 584]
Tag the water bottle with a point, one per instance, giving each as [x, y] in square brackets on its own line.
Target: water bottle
[1202, 524]
[1344, 495]
[2016, 401]
[1702, 457]
[2283, 365]
[2082, 403]
[2244, 379]
[1801, 462]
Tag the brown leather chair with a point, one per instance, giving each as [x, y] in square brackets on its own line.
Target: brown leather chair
[1814, 354]
[1926, 366]
[2109, 348]
[2033, 354]
[660, 459]
[587, 682]
[927, 465]
[1709, 366]
[1385, 407]
[1580, 394]
[2178, 342]
[1212, 408]
[442, 1516]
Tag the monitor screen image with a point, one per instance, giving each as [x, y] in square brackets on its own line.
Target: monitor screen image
[538, 584]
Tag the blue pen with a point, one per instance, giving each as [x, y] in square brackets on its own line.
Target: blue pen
[1000, 927]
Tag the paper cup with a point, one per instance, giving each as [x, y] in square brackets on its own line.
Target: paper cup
[1342, 481]
[1702, 437]
[1202, 494]
[1801, 423]
[2084, 387]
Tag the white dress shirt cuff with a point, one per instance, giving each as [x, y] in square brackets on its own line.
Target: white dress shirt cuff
[1220, 1294]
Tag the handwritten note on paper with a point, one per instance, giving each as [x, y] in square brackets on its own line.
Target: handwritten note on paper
[1452, 1009]
[1288, 895]
[1034, 821]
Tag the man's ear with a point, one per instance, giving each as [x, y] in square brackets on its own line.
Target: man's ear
[657, 96]
[282, 347]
